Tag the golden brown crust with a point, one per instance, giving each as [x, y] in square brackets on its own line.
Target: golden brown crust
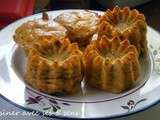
[29, 32]
[111, 64]
[125, 23]
[55, 65]
[80, 25]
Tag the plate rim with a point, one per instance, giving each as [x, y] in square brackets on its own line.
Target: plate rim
[75, 118]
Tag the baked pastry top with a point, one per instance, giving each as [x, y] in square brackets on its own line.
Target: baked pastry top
[54, 66]
[29, 32]
[111, 64]
[126, 23]
[80, 25]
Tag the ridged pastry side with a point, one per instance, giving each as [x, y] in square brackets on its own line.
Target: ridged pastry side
[111, 64]
[126, 23]
[54, 66]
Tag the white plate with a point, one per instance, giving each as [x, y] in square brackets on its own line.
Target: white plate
[86, 104]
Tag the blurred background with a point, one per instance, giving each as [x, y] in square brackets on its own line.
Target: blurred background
[11, 10]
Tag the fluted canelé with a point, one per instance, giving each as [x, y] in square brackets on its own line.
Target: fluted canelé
[111, 64]
[54, 66]
[126, 23]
